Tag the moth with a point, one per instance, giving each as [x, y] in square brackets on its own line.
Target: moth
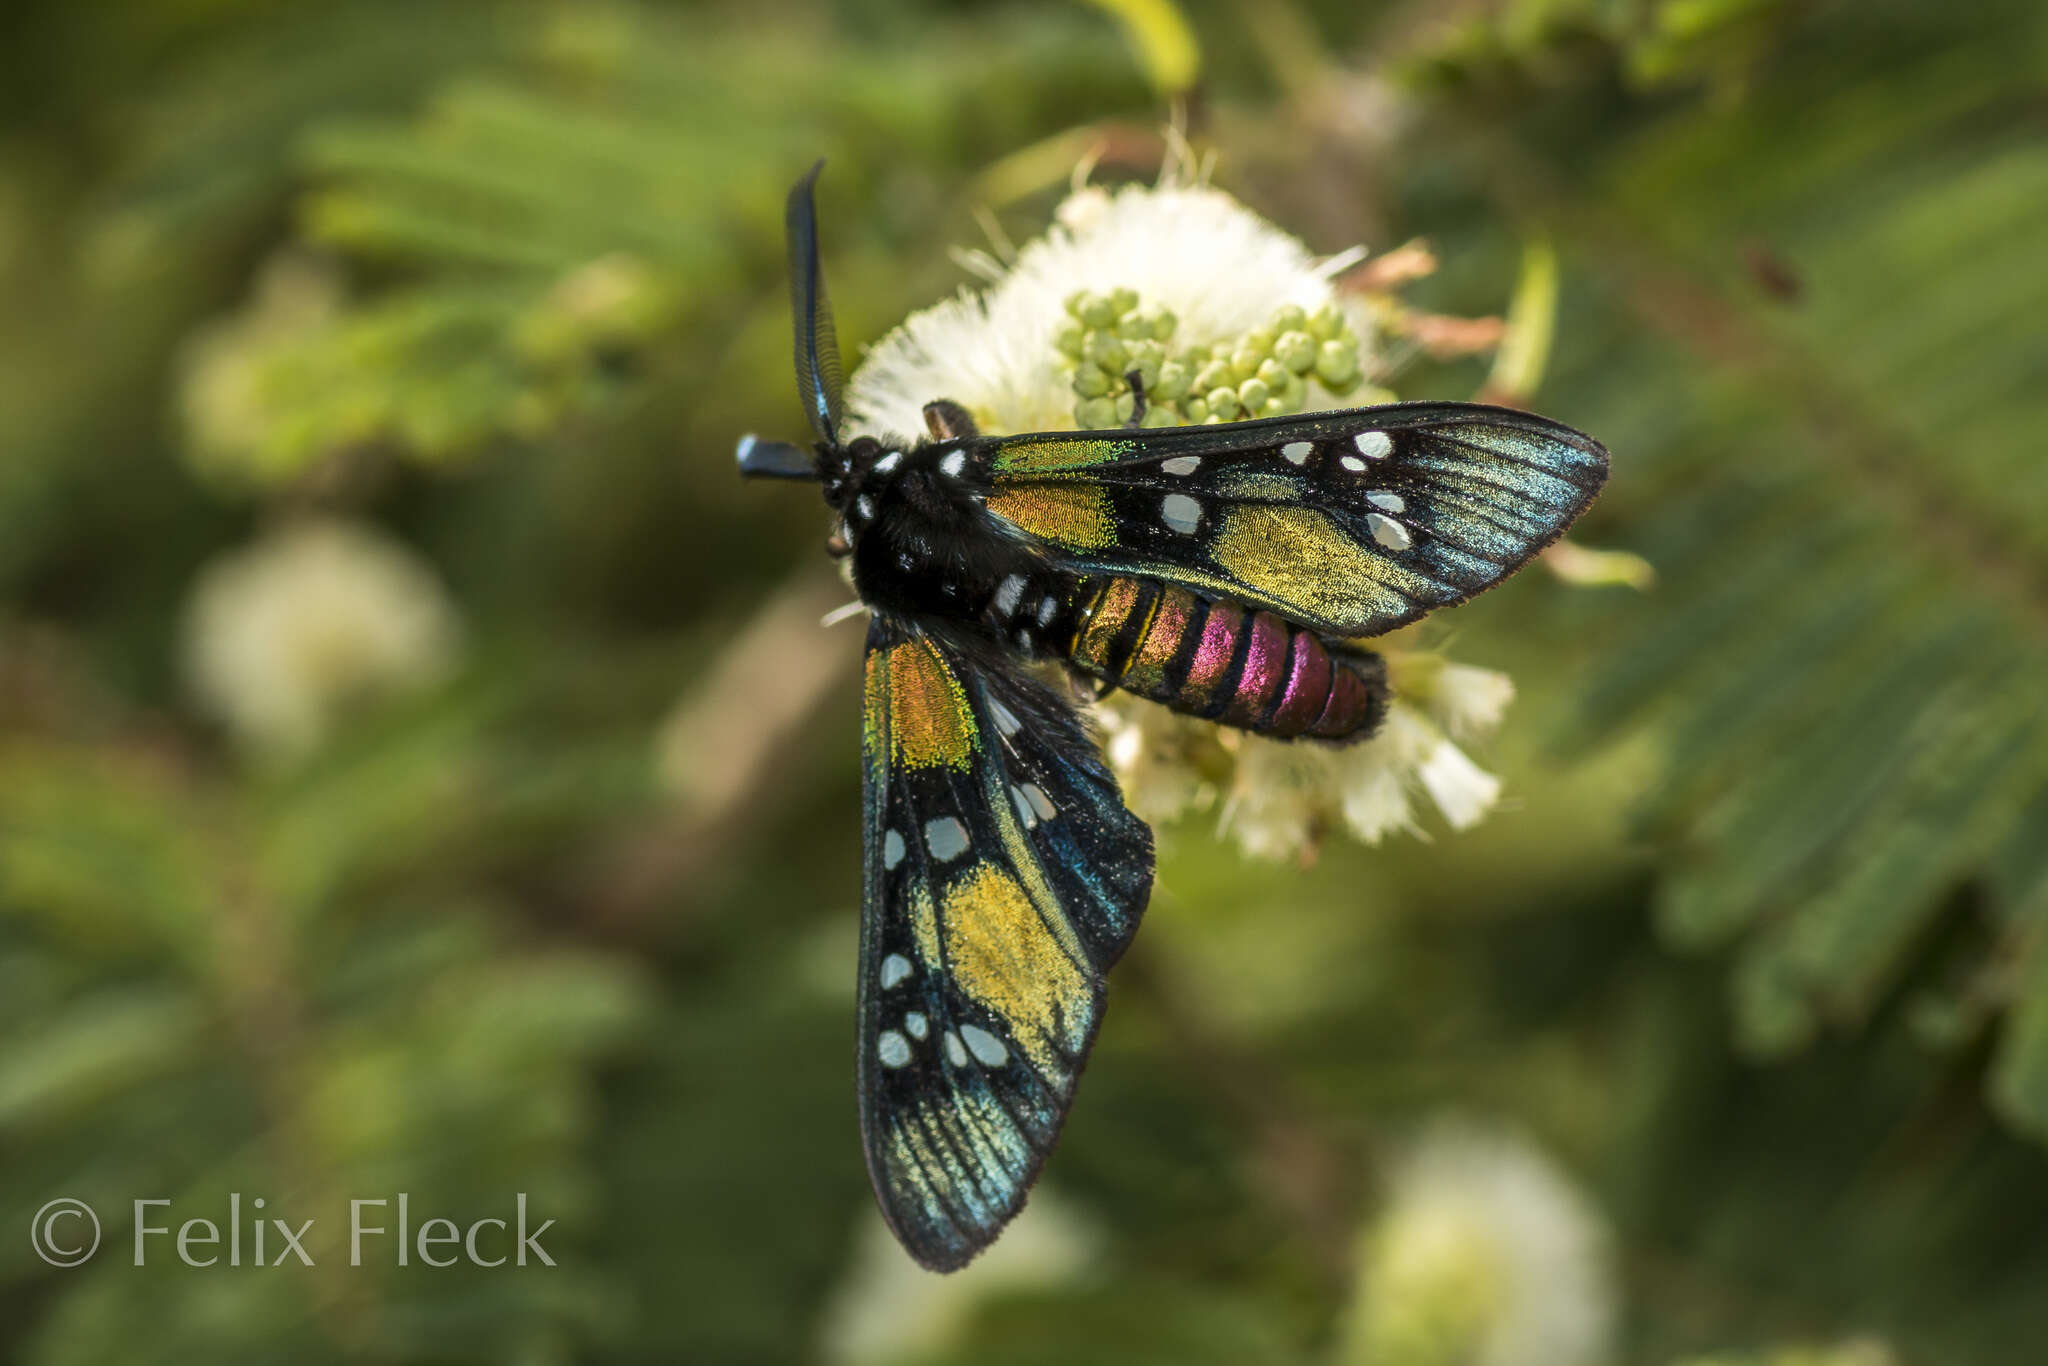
[1218, 570]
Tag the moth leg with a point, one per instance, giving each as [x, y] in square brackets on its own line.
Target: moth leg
[1137, 383]
[948, 421]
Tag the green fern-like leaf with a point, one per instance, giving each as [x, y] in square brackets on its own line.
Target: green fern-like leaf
[616, 181]
[1845, 657]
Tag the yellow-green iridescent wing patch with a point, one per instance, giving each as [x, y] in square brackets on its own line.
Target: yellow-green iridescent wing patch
[1003, 876]
[1351, 522]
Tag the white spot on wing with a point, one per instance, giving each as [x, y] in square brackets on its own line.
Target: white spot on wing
[1374, 445]
[914, 1024]
[1181, 464]
[987, 1049]
[1025, 813]
[1352, 463]
[1297, 451]
[892, 849]
[946, 837]
[1006, 720]
[953, 464]
[1180, 513]
[1047, 609]
[893, 1049]
[894, 969]
[1040, 803]
[1388, 532]
[1392, 502]
[956, 1052]
[1008, 594]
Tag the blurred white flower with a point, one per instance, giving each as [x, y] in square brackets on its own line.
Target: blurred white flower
[1483, 1254]
[282, 637]
[889, 1308]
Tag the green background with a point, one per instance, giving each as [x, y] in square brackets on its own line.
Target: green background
[1755, 950]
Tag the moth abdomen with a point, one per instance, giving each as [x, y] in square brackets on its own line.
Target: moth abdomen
[1237, 666]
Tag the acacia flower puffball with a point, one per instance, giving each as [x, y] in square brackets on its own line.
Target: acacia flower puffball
[1483, 1254]
[1182, 246]
[1232, 317]
[283, 637]
[1279, 798]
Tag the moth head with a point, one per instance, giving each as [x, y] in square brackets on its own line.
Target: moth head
[846, 469]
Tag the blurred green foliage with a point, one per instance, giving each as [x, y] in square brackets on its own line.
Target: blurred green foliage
[1760, 956]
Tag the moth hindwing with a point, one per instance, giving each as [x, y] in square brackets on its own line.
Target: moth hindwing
[1003, 876]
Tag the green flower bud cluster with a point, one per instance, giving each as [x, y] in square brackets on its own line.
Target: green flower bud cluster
[1103, 338]
[1264, 373]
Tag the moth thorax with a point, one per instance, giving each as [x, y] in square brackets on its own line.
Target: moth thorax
[1034, 611]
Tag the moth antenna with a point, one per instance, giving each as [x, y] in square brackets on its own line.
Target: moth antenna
[818, 376]
[1137, 417]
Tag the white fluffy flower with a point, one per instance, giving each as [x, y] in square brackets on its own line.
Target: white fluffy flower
[890, 1309]
[1484, 1254]
[1374, 792]
[1182, 245]
[1280, 798]
[284, 636]
[1157, 758]
[1221, 271]
[1284, 795]
[1276, 796]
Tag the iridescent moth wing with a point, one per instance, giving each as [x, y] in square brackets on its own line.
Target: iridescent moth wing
[1003, 876]
[1351, 523]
